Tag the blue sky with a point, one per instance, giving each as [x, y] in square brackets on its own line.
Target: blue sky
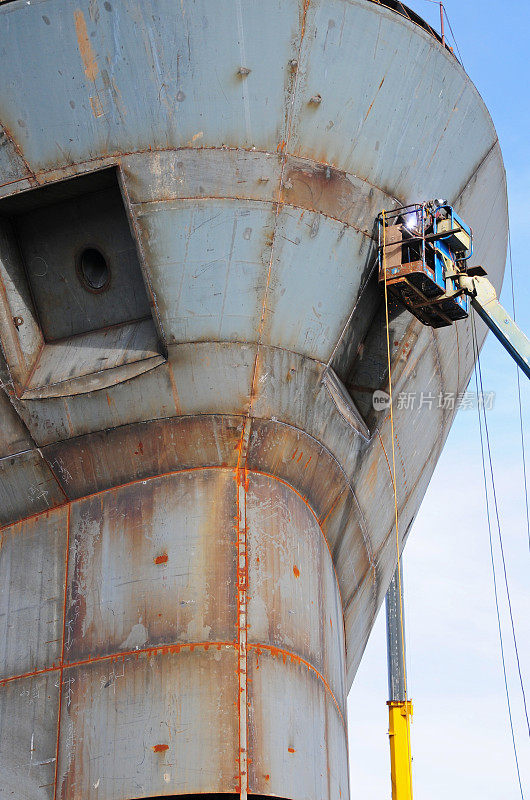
[461, 739]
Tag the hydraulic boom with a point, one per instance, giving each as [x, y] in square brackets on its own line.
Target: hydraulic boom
[423, 254]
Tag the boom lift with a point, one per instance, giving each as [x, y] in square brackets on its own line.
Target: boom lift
[423, 252]
[423, 255]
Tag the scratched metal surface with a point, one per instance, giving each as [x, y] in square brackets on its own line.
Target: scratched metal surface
[144, 561]
[32, 571]
[254, 149]
[135, 727]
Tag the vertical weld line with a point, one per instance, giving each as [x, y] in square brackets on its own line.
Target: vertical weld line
[279, 203]
[245, 629]
[236, 478]
[61, 664]
[241, 578]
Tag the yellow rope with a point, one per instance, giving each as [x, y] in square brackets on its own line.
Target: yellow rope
[395, 491]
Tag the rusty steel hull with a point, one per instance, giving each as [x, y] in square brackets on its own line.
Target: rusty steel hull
[197, 507]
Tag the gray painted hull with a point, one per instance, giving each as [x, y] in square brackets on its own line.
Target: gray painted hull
[197, 538]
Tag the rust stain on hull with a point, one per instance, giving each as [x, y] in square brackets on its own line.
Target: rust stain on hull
[86, 51]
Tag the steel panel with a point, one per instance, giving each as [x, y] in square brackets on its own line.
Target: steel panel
[213, 376]
[338, 754]
[149, 396]
[289, 388]
[359, 616]
[334, 644]
[290, 454]
[13, 435]
[12, 164]
[28, 737]
[32, 575]
[209, 263]
[27, 486]
[316, 271]
[370, 122]
[141, 725]
[152, 563]
[345, 530]
[200, 378]
[293, 592]
[15, 301]
[99, 461]
[289, 739]
[169, 175]
[80, 363]
[147, 75]
[333, 192]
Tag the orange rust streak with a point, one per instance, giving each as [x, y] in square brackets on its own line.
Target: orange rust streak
[296, 571]
[306, 6]
[86, 51]
[163, 649]
[65, 596]
[296, 659]
[68, 417]
[333, 506]
[160, 748]
[161, 559]
[386, 457]
[174, 390]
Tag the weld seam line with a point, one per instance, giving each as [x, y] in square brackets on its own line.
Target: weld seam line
[174, 649]
[187, 471]
[61, 666]
[114, 160]
[265, 200]
[295, 658]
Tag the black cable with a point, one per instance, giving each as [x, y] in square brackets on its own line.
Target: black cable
[519, 395]
[500, 541]
[476, 357]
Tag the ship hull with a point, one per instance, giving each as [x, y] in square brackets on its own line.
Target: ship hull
[197, 495]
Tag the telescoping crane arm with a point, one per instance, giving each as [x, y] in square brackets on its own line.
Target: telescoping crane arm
[484, 301]
[423, 254]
